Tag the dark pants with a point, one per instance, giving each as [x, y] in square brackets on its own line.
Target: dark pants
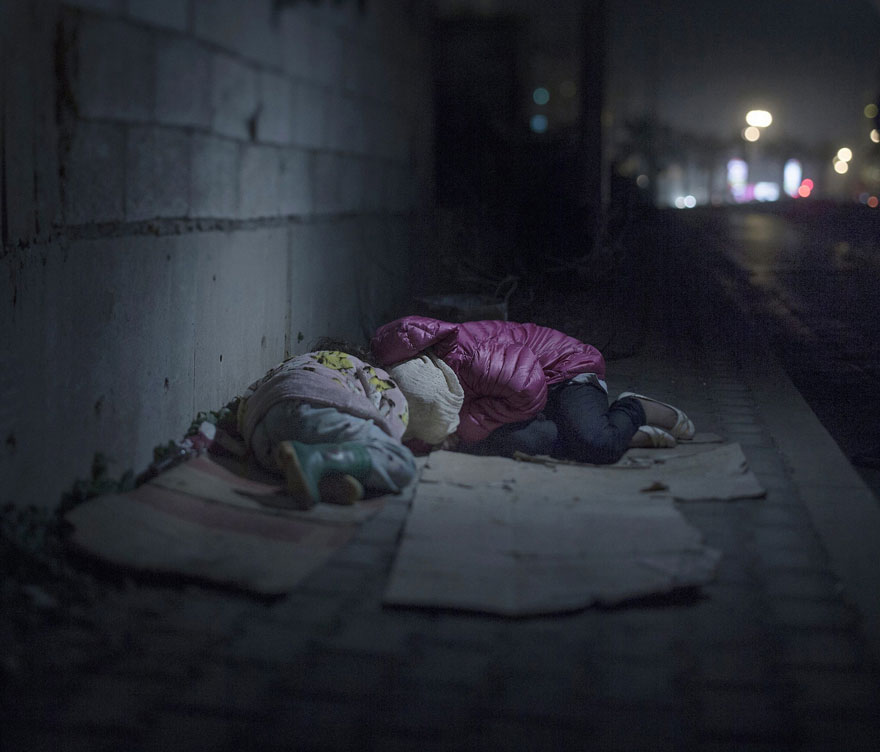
[577, 424]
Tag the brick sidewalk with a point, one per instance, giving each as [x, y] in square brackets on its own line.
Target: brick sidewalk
[767, 657]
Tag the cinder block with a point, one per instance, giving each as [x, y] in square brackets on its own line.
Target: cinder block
[21, 88]
[275, 122]
[107, 6]
[247, 28]
[327, 187]
[235, 269]
[326, 56]
[258, 185]
[93, 185]
[309, 115]
[295, 30]
[116, 70]
[295, 182]
[47, 173]
[352, 180]
[214, 176]
[399, 188]
[233, 97]
[167, 13]
[157, 173]
[344, 123]
[374, 184]
[352, 81]
[183, 83]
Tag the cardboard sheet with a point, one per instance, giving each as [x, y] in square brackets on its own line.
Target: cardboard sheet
[516, 538]
[201, 521]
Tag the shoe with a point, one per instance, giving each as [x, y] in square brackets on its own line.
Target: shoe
[340, 489]
[658, 438]
[335, 469]
[684, 426]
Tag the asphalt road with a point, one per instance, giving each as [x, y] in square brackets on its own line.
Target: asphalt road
[810, 274]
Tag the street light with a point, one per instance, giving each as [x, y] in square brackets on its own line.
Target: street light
[759, 118]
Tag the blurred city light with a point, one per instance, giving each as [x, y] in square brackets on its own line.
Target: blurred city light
[690, 201]
[752, 133]
[809, 183]
[873, 201]
[875, 136]
[804, 190]
[791, 177]
[871, 110]
[758, 119]
[766, 191]
[541, 95]
[538, 123]
[840, 166]
[844, 154]
[642, 181]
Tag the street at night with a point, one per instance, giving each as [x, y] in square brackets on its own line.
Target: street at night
[810, 275]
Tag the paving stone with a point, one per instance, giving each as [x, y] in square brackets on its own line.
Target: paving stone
[231, 687]
[784, 538]
[525, 734]
[270, 642]
[826, 731]
[171, 14]
[744, 714]
[801, 613]
[305, 608]
[27, 739]
[189, 732]
[341, 674]
[634, 729]
[544, 699]
[841, 692]
[377, 633]
[821, 648]
[801, 584]
[748, 666]
[469, 630]
[117, 704]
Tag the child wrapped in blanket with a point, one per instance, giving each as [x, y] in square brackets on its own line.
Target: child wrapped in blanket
[332, 424]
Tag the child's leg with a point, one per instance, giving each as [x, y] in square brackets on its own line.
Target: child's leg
[537, 436]
[392, 464]
[589, 429]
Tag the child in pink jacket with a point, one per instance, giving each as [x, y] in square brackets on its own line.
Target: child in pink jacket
[532, 389]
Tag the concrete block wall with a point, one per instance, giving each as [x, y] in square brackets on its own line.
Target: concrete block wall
[191, 191]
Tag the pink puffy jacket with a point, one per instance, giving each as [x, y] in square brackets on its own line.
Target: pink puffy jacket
[504, 368]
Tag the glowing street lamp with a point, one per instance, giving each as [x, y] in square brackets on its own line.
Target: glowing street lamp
[844, 154]
[759, 118]
[751, 133]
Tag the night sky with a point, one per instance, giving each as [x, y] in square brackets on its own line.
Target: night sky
[813, 63]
